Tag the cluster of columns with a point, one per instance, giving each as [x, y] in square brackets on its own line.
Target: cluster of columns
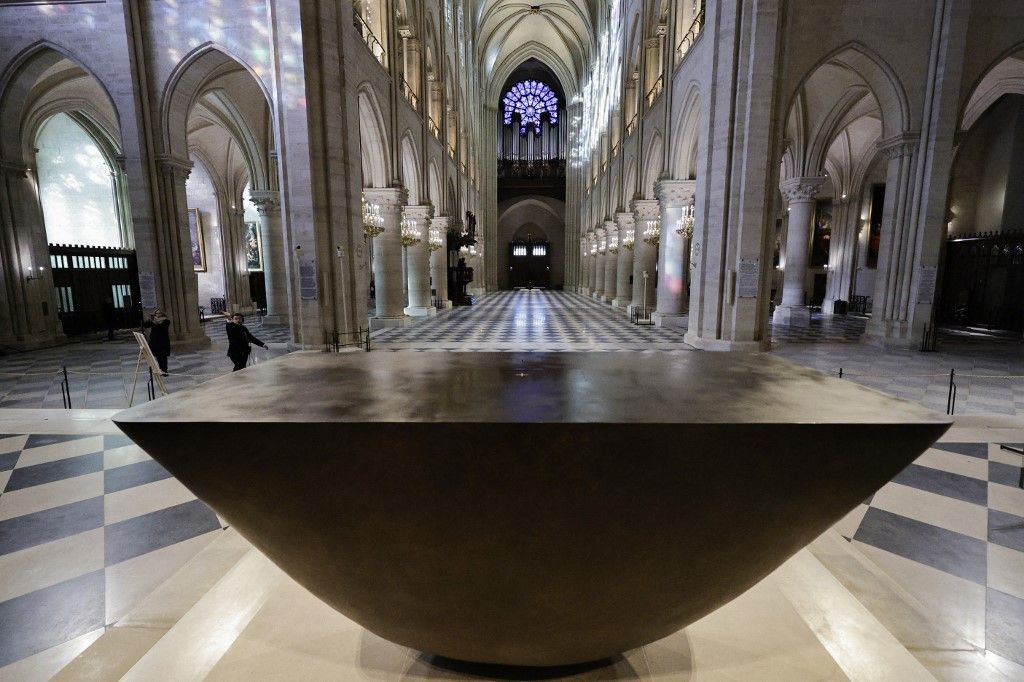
[402, 274]
[622, 269]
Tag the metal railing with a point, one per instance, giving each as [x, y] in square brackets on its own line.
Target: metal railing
[631, 126]
[335, 341]
[860, 305]
[411, 95]
[641, 315]
[374, 45]
[691, 36]
[434, 129]
[655, 90]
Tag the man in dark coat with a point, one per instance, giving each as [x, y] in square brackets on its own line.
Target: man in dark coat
[239, 339]
[159, 338]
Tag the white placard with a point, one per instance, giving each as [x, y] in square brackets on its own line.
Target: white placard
[926, 284]
[748, 278]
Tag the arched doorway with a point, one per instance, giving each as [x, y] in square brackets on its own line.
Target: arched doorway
[529, 258]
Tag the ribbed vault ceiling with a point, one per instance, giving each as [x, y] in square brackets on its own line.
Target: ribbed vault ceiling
[560, 33]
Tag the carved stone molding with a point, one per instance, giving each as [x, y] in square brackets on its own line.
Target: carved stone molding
[675, 193]
[896, 146]
[624, 220]
[440, 222]
[267, 201]
[797, 190]
[646, 209]
[390, 199]
[177, 168]
[419, 214]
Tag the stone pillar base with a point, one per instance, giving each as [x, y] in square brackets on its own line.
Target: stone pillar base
[607, 299]
[620, 302]
[197, 342]
[420, 311]
[275, 319]
[584, 290]
[792, 316]
[725, 345]
[388, 322]
[446, 304]
[669, 320]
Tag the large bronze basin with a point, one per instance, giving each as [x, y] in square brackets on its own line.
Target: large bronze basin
[530, 509]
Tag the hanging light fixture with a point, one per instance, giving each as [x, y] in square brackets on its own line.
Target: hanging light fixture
[629, 239]
[685, 227]
[613, 243]
[373, 221]
[593, 248]
[435, 239]
[411, 232]
[602, 245]
[652, 232]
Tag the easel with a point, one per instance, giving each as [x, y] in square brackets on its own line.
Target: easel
[146, 354]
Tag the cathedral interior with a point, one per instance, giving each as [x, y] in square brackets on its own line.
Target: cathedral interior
[802, 196]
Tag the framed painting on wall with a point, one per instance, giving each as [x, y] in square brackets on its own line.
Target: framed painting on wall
[253, 246]
[195, 233]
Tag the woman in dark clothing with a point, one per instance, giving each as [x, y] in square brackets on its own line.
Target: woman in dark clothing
[159, 338]
[239, 339]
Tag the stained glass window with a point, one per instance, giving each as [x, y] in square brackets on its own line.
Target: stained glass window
[530, 99]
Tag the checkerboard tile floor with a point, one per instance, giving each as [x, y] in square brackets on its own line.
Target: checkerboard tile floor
[530, 321]
[990, 369]
[950, 529]
[89, 524]
[100, 371]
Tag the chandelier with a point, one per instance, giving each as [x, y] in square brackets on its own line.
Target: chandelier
[652, 233]
[373, 221]
[593, 248]
[602, 245]
[629, 238]
[613, 243]
[685, 225]
[435, 239]
[411, 233]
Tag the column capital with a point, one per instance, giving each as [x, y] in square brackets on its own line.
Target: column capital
[675, 193]
[419, 214]
[440, 222]
[390, 199]
[646, 209]
[903, 144]
[267, 201]
[18, 170]
[625, 219]
[173, 165]
[797, 190]
[610, 226]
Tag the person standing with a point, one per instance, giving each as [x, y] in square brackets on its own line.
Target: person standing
[239, 339]
[159, 338]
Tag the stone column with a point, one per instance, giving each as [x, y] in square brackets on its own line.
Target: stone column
[594, 264]
[611, 264]
[417, 261]
[645, 256]
[28, 315]
[584, 284]
[624, 269]
[177, 287]
[800, 193]
[602, 262]
[236, 271]
[275, 276]
[891, 303]
[842, 253]
[439, 262]
[387, 258]
[673, 301]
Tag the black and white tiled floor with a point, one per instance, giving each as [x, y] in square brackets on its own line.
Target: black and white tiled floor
[530, 321]
[89, 524]
[100, 372]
